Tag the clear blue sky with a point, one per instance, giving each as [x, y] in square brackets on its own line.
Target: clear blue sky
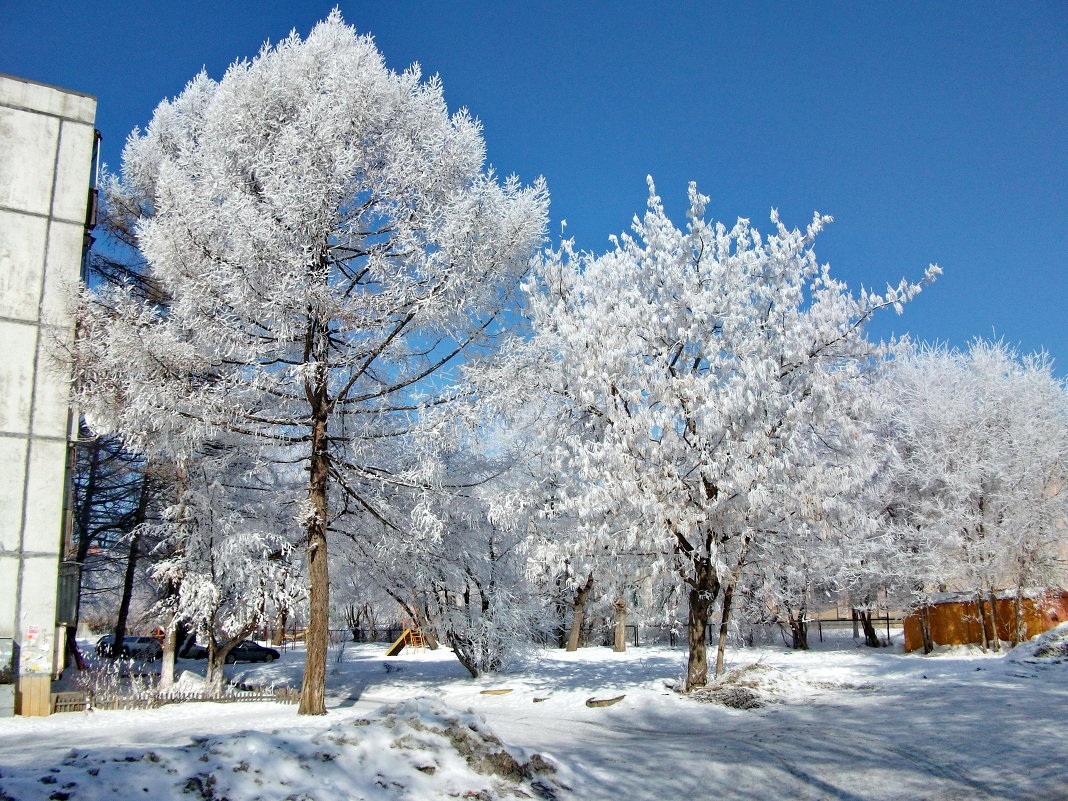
[933, 132]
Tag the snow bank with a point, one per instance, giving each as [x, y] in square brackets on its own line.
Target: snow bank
[417, 749]
[1051, 647]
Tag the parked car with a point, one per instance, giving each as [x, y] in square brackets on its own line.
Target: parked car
[146, 648]
[249, 651]
[245, 651]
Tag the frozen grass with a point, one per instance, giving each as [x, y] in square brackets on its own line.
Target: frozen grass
[838, 722]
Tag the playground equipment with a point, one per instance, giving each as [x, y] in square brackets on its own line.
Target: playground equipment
[413, 636]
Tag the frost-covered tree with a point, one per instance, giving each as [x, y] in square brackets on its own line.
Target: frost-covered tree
[454, 551]
[817, 547]
[693, 361]
[328, 241]
[572, 558]
[229, 564]
[480, 601]
[983, 437]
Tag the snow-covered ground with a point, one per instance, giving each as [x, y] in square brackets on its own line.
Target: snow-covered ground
[839, 722]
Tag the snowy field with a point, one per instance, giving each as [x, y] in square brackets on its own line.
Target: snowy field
[838, 722]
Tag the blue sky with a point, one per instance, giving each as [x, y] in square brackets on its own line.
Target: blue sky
[933, 132]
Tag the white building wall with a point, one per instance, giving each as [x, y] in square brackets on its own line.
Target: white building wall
[46, 150]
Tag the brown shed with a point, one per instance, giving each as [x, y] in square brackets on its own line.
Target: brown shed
[955, 618]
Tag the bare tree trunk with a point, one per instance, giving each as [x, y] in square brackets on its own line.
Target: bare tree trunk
[983, 633]
[704, 587]
[461, 646]
[127, 593]
[995, 639]
[619, 628]
[131, 569]
[798, 630]
[372, 622]
[925, 628]
[171, 641]
[430, 632]
[280, 627]
[214, 678]
[1017, 614]
[578, 614]
[85, 509]
[724, 628]
[560, 606]
[83, 539]
[317, 642]
[725, 610]
[871, 637]
[82, 519]
[218, 653]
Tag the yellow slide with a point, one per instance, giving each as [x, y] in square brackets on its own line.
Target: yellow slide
[411, 636]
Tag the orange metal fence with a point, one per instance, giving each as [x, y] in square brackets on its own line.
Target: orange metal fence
[959, 622]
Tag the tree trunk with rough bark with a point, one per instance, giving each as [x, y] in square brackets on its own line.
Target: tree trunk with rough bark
[619, 627]
[704, 587]
[280, 628]
[871, 637]
[925, 629]
[430, 634]
[578, 614]
[1017, 617]
[218, 655]
[798, 630]
[995, 639]
[317, 641]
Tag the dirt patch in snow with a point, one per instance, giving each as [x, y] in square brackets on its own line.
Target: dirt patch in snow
[756, 685]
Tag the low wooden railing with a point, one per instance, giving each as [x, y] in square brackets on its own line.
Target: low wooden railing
[80, 700]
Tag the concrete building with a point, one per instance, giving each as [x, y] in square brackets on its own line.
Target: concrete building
[47, 143]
